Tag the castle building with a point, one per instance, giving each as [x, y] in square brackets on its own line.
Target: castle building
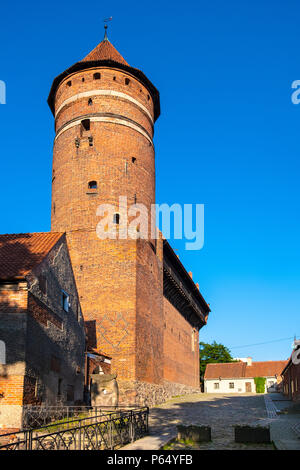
[139, 303]
[118, 317]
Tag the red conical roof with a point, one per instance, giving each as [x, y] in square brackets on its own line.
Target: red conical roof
[105, 51]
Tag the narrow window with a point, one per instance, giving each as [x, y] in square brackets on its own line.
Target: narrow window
[93, 185]
[231, 384]
[69, 83]
[91, 142]
[127, 81]
[43, 284]
[82, 79]
[116, 219]
[148, 97]
[97, 76]
[70, 393]
[59, 388]
[133, 159]
[86, 124]
[65, 299]
[90, 102]
[115, 78]
[2, 353]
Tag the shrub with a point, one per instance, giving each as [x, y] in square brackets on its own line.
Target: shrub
[260, 384]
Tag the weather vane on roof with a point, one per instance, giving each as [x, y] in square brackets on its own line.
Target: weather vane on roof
[106, 20]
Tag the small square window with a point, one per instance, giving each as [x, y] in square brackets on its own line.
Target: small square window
[231, 384]
[65, 301]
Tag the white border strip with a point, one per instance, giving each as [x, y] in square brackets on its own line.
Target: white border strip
[118, 94]
[122, 122]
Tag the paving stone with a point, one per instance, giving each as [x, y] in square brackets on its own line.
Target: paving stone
[220, 412]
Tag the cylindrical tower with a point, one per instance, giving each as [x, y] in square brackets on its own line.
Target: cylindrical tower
[104, 119]
[104, 116]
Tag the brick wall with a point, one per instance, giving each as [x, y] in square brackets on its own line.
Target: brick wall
[57, 352]
[291, 382]
[37, 333]
[149, 314]
[181, 348]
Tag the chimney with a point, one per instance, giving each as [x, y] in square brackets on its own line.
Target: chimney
[249, 361]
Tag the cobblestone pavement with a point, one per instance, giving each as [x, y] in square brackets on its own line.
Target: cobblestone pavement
[221, 412]
[285, 427]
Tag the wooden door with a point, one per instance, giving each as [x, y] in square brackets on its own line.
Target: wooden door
[248, 387]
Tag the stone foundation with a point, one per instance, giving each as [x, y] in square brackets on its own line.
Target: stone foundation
[104, 390]
[149, 394]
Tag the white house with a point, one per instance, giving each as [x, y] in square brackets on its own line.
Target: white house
[238, 377]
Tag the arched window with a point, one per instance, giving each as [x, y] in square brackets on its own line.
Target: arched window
[97, 76]
[93, 185]
[116, 219]
[2, 352]
[90, 102]
[86, 124]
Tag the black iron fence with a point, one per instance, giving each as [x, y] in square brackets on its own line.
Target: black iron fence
[40, 415]
[99, 432]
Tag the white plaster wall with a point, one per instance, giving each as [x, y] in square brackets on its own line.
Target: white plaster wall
[239, 385]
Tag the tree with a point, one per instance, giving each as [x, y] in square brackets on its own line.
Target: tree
[212, 353]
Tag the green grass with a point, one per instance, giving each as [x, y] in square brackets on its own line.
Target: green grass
[68, 423]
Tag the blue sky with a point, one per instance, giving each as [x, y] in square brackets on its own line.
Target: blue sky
[227, 137]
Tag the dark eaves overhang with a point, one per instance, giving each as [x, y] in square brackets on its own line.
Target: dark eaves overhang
[287, 366]
[179, 284]
[105, 63]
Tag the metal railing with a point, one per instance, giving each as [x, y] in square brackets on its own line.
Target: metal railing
[40, 415]
[98, 432]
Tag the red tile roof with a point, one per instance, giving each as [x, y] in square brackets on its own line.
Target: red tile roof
[235, 370]
[19, 253]
[265, 369]
[226, 370]
[105, 51]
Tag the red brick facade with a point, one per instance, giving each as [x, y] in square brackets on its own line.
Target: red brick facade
[291, 380]
[42, 342]
[181, 348]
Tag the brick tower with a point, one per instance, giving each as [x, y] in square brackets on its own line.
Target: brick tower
[104, 113]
